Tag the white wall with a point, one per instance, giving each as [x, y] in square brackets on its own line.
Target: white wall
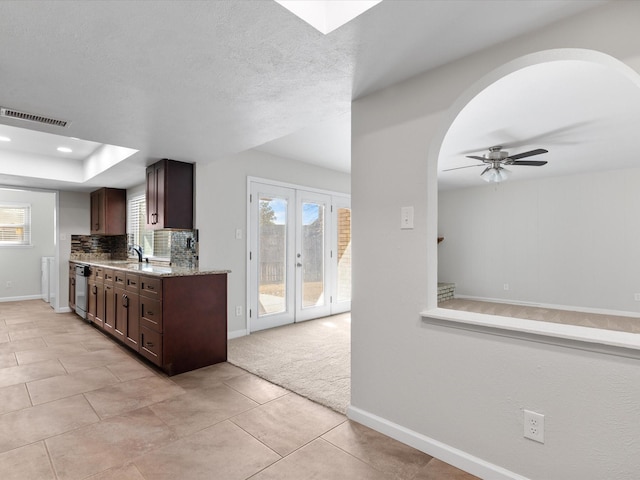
[454, 391]
[221, 208]
[569, 241]
[21, 265]
[74, 218]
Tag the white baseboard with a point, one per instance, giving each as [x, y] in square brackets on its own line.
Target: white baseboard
[236, 334]
[63, 310]
[459, 459]
[600, 311]
[24, 297]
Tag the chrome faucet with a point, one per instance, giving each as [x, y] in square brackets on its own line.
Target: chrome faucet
[138, 250]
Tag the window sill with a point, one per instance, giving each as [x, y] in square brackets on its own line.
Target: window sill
[572, 336]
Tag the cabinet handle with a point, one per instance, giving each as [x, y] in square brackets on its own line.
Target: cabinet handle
[95, 289]
[150, 313]
[125, 301]
[146, 344]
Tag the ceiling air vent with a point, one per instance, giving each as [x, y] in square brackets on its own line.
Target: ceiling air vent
[30, 117]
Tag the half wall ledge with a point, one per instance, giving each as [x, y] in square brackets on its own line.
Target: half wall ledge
[621, 344]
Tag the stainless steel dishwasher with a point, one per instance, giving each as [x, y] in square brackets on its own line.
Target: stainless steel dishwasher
[82, 276]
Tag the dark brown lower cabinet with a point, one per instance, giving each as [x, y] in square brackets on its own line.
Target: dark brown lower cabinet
[179, 323]
[183, 321]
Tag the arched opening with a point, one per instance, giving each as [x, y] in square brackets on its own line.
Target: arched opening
[557, 235]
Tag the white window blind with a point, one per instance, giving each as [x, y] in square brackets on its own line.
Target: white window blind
[15, 224]
[154, 243]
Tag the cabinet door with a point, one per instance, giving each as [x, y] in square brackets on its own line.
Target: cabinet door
[109, 211]
[109, 308]
[155, 196]
[99, 319]
[120, 320]
[92, 301]
[132, 321]
[72, 288]
[169, 195]
[97, 211]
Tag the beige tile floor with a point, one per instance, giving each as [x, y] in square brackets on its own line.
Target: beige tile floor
[74, 405]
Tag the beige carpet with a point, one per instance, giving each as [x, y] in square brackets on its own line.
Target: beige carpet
[312, 358]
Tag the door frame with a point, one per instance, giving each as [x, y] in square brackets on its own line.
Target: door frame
[342, 199]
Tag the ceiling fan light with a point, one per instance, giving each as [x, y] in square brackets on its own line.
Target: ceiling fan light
[495, 174]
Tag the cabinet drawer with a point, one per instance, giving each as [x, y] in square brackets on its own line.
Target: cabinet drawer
[98, 274]
[119, 278]
[151, 314]
[151, 345]
[132, 282]
[151, 287]
[108, 276]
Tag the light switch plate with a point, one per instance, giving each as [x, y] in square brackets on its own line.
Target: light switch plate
[406, 218]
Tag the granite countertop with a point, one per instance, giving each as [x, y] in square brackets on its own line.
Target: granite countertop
[150, 268]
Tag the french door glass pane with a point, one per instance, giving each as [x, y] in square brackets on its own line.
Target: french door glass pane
[272, 281]
[344, 254]
[312, 254]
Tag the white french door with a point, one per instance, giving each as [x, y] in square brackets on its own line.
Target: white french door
[294, 251]
[341, 255]
[313, 254]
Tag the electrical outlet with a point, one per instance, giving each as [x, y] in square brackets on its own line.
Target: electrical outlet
[238, 310]
[506, 286]
[238, 234]
[534, 426]
[636, 297]
[9, 284]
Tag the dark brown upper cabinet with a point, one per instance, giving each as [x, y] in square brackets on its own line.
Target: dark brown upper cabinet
[170, 195]
[109, 211]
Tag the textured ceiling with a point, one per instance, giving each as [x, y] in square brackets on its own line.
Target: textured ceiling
[199, 80]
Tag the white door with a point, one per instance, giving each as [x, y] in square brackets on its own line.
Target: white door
[341, 255]
[299, 255]
[272, 245]
[313, 253]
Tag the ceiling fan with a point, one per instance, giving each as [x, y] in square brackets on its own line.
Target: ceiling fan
[496, 158]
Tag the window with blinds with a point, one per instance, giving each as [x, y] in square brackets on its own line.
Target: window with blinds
[15, 225]
[154, 243]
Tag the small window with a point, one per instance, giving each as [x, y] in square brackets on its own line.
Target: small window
[154, 243]
[15, 224]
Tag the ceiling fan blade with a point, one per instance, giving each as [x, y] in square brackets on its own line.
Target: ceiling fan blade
[458, 168]
[532, 163]
[475, 157]
[530, 153]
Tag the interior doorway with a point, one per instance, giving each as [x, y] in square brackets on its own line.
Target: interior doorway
[299, 254]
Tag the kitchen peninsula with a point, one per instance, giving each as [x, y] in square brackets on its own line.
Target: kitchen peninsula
[175, 317]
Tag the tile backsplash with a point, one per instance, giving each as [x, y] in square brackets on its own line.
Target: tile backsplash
[184, 247]
[98, 247]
